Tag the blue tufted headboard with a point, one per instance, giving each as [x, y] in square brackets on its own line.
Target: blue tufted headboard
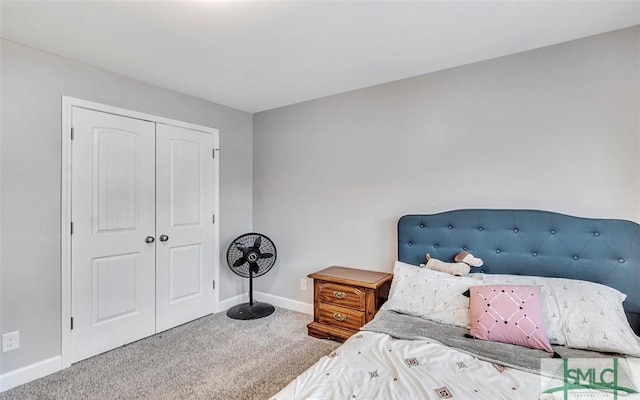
[531, 242]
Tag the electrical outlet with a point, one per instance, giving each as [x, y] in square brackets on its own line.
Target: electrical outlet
[10, 341]
[303, 284]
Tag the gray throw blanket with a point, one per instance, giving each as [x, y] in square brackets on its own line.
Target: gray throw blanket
[404, 326]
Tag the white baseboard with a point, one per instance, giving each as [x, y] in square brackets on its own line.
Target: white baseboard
[283, 302]
[277, 301]
[26, 374]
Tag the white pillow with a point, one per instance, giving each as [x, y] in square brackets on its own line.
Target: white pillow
[589, 315]
[594, 317]
[428, 294]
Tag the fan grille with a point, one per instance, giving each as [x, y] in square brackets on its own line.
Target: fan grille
[251, 251]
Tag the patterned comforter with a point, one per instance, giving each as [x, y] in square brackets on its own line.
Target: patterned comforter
[393, 357]
[372, 365]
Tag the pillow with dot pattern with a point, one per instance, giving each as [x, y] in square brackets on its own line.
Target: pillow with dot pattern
[508, 314]
[550, 309]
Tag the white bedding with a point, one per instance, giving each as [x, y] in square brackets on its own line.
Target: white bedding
[424, 304]
[372, 365]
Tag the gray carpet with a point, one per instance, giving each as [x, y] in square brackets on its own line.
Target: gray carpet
[212, 358]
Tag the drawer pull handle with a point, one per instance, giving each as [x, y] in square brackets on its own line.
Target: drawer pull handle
[339, 317]
[339, 295]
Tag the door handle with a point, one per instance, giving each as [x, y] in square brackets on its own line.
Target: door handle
[164, 238]
[149, 239]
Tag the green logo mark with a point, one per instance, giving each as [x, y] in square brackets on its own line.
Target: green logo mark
[591, 374]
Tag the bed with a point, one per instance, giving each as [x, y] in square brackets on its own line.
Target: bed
[553, 313]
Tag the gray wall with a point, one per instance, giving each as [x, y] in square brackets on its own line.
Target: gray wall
[554, 129]
[32, 85]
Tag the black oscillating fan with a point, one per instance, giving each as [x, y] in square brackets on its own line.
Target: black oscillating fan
[251, 255]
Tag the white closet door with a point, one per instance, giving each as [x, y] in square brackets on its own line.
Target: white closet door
[184, 210]
[113, 212]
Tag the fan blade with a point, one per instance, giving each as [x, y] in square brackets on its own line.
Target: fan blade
[266, 255]
[241, 247]
[257, 242]
[253, 267]
[239, 262]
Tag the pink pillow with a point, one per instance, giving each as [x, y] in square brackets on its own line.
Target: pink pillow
[508, 314]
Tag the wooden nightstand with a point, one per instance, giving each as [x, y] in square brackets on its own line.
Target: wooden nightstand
[345, 299]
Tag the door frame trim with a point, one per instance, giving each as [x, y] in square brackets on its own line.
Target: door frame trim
[65, 224]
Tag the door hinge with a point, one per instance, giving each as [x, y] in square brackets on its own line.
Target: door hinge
[213, 153]
[213, 220]
[72, 134]
[214, 285]
[71, 323]
[72, 228]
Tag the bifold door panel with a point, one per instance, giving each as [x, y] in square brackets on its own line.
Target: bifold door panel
[184, 209]
[141, 248]
[113, 268]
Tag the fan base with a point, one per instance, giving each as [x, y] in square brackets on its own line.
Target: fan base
[246, 311]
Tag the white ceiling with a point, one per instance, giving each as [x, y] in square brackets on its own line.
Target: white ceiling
[260, 55]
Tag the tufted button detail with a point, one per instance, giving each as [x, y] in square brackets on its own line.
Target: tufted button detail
[497, 250]
[620, 260]
[534, 254]
[450, 227]
[515, 230]
[596, 233]
[575, 257]
[553, 231]
[421, 225]
[479, 228]
[435, 246]
[465, 248]
[410, 244]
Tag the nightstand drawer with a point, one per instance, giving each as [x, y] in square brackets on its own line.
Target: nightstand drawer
[340, 316]
[342, 295]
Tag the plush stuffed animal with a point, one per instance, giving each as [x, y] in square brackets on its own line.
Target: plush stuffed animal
[462, 266]
[468, 259]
